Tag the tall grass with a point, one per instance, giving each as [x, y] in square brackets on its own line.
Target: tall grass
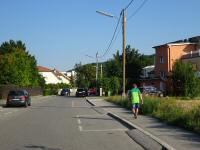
[183, 113]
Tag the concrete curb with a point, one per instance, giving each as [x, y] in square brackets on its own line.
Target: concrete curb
[89, 101]
[133, 126]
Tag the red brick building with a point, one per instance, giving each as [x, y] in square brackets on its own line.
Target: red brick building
[165, 57]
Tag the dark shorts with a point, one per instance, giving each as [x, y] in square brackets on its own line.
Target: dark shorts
[135, 105]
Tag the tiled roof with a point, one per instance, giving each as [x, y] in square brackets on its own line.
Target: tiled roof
[43, 69]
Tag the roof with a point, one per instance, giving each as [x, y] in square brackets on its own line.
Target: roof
[174, 44]
[43, 69]
[57, 73]
[192, 40]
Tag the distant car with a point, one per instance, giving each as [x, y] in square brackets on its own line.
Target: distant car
[151, 90]
[18, 97]
[81, 92]
[92, 91]
[65, 92]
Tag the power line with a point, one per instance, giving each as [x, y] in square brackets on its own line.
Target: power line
[129, 4]
[113, 37]
[137, 10]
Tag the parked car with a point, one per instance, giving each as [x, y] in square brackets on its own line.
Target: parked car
[92, 91]
[65, 92]
[151, 90]
[18, 97]
[81, 92]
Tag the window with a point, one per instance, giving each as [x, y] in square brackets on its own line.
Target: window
[161, 59]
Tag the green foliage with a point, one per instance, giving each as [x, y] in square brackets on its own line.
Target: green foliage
[184, 80]
[105, 83]
[114, 85]
[113, 67]
[52, 89]
[17, 66]
[112, 71]
[134, 64]
[85, 75]
[173, 111]
[118, 100]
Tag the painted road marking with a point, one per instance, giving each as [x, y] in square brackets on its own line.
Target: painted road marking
[80, 127]
[79, 121]
[7, 113]
[99, 115]
[105, 130]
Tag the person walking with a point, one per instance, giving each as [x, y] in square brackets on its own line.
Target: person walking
[136, 99]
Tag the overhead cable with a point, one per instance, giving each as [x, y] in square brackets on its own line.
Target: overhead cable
[129, 4]
[113, 37]
[137, 10]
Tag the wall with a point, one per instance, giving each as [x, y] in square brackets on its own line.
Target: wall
[50, 78]
[177, 51]
[4, 89]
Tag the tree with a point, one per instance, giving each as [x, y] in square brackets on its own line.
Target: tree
[85, 75]
[113, 70]
[17, 66]
[184, 80]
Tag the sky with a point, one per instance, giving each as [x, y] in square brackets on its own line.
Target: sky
[62, 33]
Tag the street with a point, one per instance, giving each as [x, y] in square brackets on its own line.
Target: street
[61, 123]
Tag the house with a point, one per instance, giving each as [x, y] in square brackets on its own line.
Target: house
[52, 76]
[165, 57]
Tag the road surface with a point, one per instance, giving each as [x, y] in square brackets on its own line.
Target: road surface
[61, 123]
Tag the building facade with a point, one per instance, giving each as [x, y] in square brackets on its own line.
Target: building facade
[52, 76]
[165, 57]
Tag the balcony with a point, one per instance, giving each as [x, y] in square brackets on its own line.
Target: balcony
[192, 54]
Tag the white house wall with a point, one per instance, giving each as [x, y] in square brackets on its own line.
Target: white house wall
[50, 78]
[64, 80]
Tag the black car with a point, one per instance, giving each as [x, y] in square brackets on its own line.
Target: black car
[151, 90]
[18, 97]
[65, 92]
[81, 92]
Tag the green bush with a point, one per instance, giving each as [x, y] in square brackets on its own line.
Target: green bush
[52, 89]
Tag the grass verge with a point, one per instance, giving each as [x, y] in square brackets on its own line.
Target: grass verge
[182, 113]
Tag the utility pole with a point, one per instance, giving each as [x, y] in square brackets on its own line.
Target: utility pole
[97, 68]
[101, 71]
[123, 43]
[124, 52]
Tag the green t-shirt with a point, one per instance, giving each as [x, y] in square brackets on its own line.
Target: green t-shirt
[135, 95]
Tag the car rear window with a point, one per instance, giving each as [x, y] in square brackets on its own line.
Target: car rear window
[16, 93]
[80, 90]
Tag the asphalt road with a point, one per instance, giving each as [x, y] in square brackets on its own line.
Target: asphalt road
[61, 123]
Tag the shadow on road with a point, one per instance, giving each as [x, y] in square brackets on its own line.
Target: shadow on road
[41, 147]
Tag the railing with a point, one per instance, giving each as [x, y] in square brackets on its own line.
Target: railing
[192, 54]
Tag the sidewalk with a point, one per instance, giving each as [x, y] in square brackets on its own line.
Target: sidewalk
[175, 137]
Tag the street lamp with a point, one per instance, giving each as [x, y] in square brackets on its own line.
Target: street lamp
[123, 47]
